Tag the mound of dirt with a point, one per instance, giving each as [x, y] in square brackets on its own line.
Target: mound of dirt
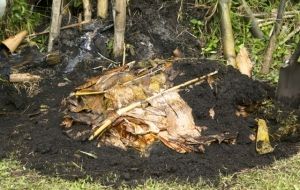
[41, 144]
[30, 126]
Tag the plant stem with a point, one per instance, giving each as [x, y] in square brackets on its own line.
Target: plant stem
[272, 42]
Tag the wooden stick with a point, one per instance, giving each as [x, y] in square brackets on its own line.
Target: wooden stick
[227, 33]
[102, 8]
[107, 122]
[119, 26]
[62, 28]
[256, 31]
[23, 77]
[55, 23]
[265, 69]
[87, 10]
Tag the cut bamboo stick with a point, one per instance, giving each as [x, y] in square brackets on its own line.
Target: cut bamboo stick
[23, 77]
[119, 14]
[102, 8]
[227, 33]
[106, 123]
[55, 23]
[87, 10]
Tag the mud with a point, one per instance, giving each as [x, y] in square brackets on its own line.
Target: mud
[35, 137]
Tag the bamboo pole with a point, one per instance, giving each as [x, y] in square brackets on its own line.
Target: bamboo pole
[119, 14]
[87, 10]
[227, 33]
[265, 69]
[106, 123]
[55, 23]
[102, 8]
[256, 31]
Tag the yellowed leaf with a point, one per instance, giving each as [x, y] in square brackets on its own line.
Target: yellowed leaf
[263, 145]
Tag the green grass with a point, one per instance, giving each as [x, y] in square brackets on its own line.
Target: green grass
[282, 174]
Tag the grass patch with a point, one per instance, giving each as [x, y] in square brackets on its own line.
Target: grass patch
[282, 174]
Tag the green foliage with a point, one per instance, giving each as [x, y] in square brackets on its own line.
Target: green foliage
[19, 17]
[77, 3]
[210, 35]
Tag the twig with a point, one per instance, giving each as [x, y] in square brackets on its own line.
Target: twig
[272, 43]
[102, 56]
[88, 154]
[124, 55]
[107, 122]
[256, 31]
[62, 28]
[274, 13]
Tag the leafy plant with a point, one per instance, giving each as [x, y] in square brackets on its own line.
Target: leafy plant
[19, 17]
[210, 34]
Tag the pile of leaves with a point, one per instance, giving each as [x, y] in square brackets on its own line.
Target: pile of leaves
[166, 118]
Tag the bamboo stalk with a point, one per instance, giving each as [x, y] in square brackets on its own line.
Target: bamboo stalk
[55, 23]
[256, 31]
[227, 33]
[102, 8]
[107, 122]
[87, 10]
[272, 42]
[119, 14]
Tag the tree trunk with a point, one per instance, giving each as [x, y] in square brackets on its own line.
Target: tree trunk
[87, 10]
[55, 23]
[102, 8]
[227, 34]
[119, 26]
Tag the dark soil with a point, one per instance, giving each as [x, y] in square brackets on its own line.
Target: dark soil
[41, 145]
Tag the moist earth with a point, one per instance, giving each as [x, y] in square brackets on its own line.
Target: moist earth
[30, 125]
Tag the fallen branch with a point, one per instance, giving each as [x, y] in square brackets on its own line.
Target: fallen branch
[272, 42]
[106, 123]
[23, 77]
